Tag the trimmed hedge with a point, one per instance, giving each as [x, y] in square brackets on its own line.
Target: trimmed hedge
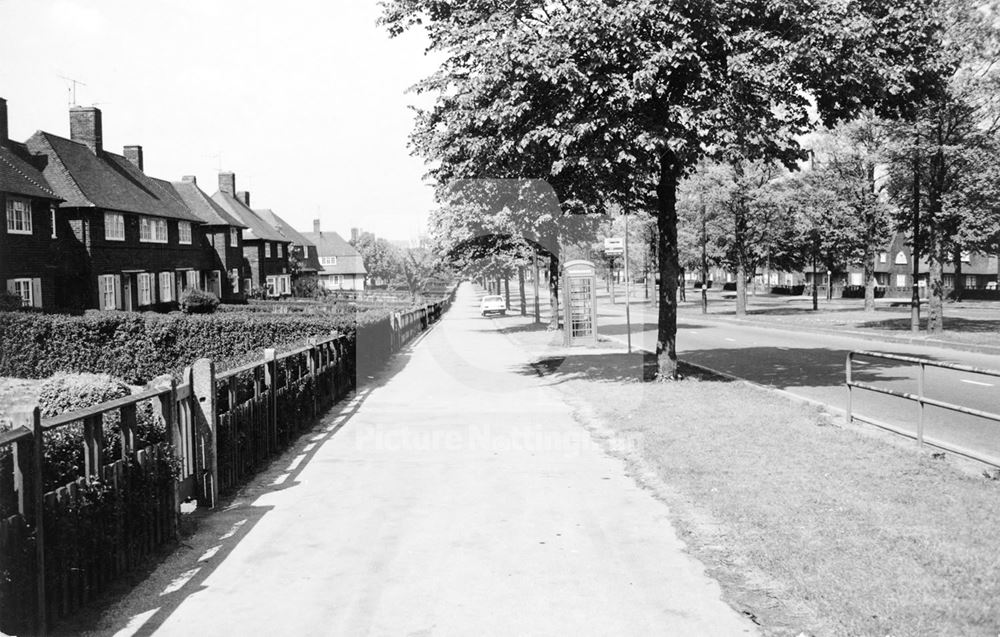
[858, 292]
[138, 347]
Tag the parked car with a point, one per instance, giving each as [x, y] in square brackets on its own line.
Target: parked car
[492, 305]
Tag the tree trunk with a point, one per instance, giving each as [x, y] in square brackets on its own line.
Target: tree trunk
[935, 253]
[520, 285]
[915, 248]
[667, 257]
[506, 292]
[959, 279]
[870, 282]
[741, 288]
[554, 291]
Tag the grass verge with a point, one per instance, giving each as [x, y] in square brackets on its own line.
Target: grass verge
[809, 527]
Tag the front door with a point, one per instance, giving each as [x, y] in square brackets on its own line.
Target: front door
[130, 291]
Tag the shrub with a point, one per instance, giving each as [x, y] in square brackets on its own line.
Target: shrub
[197, 302]
[9, 301]
[64, 445]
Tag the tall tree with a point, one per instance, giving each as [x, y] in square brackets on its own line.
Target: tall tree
[616, 101]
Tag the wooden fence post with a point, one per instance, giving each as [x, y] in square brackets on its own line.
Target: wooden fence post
[93, 446]
[166, 407]
[204, 411]
[32, 489]
[271, 383]
[313, 361]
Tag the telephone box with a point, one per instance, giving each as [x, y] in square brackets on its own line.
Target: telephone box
[580, 302]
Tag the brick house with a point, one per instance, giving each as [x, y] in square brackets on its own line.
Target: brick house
[302, 249]
[142, 245]
[224, 238]
[341, 265]
[894, 270]
[30, 232]
[264, 248]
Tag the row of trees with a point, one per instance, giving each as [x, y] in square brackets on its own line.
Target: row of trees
[617, 103]
[412, 269]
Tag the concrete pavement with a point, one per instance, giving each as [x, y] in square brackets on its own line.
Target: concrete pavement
[456, 496]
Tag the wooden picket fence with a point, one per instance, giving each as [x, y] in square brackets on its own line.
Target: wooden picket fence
[62, 547]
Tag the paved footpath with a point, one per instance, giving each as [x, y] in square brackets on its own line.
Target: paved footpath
[456, 497]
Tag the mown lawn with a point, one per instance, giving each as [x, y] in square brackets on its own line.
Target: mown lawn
[809, 526]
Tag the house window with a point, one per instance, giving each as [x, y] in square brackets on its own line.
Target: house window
[26, 289]
[109, 289]
[18, 216]
[192, 279]
[966, 257]
[247, 285]
[900, 258]
[900, 280]
[285, 283]
[52, 218]
[971, 281]
[267, 250]
[234, 237]
[281, 250]
[114, 226]
[272, 286]
[166, 286]
[336, 280]
[145, 288]
[234, 280]
[152, 230]
[184, 232]
[883, 257]
[328, 260]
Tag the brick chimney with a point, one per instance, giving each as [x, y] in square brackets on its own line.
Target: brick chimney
[134, 155]
[244, 197]
[316, 227]
[3, 121]
[227, 183]
[190, 179]
[354, 235]
[85, 127]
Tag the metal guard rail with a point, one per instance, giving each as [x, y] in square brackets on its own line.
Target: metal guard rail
[921, 400]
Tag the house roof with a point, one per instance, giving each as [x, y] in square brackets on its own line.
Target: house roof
[203, 206]
[282, 226]
[331, 244]
[19, 177]
[84, 179]
[257, 228]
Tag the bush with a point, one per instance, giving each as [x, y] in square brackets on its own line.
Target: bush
[64, 445]
[138, 347]
[9, 301]
[197, 302]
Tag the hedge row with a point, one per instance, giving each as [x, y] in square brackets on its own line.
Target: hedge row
[138, 347]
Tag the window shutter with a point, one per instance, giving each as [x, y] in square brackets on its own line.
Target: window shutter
[10, 286]
[118, 291]
[36, 292]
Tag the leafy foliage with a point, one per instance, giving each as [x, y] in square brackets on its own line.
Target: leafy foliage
[196, 301]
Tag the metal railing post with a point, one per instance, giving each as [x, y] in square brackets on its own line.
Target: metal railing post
[847, 415]
[920, 405]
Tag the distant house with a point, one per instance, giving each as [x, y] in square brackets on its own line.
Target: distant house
[341, 266]
[223, 236]
[31, 231]
[302, 249]
[894, 270]
[264, 248]
[141, 245]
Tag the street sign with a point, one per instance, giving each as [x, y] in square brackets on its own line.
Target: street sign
[614, 246]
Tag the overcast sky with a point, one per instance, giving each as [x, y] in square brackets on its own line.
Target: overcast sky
[303, 99]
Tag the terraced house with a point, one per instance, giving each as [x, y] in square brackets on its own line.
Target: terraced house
[265, 250]
[142, 246]
[31, 232]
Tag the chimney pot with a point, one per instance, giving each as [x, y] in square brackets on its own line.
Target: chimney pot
[316, 226]
[85, 127]
[3, 121]
[354, 235]
[227, 183]
[244, 197]
[190, 179]
[134, 155]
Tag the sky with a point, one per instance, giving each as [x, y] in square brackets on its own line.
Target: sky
[305, 100]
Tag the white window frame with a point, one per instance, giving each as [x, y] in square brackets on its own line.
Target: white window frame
[166, 280]
[281, 250]
[114, 221]
[971, 281]
[285, 284]
[272, 285]
[109, 291]
[144, 285]
[24, 288]
[328, 260]
[267, 250]
[52, 219]
[184, 232]
[234, 280]
[193, 279]
[883, 257]
[901, 258]
[234, 237]
[152, 230]
[900, 280]
[18, 216]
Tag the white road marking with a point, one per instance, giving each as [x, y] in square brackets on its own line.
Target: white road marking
[976, 382]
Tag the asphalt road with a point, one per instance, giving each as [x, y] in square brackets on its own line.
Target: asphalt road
[811, 365]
